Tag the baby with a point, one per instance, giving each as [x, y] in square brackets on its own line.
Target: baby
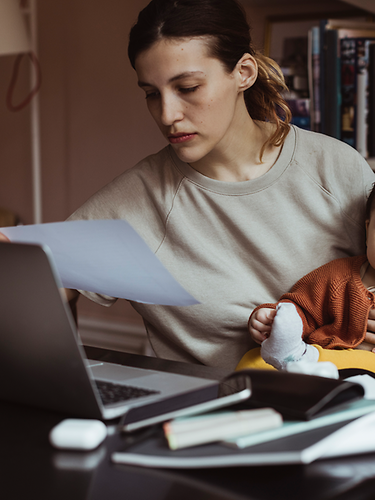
[328, 307]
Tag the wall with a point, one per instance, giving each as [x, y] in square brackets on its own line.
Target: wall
[15, 168]
[94, 122]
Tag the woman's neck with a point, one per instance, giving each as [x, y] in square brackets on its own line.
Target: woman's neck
[238, 158]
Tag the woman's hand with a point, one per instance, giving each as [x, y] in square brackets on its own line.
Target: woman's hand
[3, 237]
[69, 294]
[71, 297]
[260, 324]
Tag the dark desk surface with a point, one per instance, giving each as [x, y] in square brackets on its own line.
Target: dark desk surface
[31, 468]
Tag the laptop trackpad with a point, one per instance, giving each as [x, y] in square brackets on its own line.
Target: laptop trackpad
[115, 373]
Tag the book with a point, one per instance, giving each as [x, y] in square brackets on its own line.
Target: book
[192, 431]
[332, 85]
[322, 58]
[324, 407]
[362, 96]
[344, 89]
[355, 90]
[348, 90]
[230, 391]
[347, 437]
[314, 78]
[293, 395]
[292, 427]
[300, 109]
[371, 115]
[297, 396]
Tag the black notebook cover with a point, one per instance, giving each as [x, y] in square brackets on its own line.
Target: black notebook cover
[292, 449]
[297, 396]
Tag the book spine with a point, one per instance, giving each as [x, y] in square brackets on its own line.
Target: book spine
[362, 96]
[371, 116]
[348, 84]
[206, 421]
[322, 57]
[218, 428]
[332, 97]
[361, 125]
[301, 112]
[322, 64]
[316, 79]
[310, 78]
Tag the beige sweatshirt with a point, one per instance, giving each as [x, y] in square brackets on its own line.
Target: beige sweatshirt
[236, 245]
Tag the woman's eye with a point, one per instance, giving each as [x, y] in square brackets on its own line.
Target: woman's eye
[188, 90]
[152, 95]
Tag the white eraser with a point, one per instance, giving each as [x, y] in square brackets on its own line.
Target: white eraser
[78, 434]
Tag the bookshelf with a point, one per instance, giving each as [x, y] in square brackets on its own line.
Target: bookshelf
[330, 70]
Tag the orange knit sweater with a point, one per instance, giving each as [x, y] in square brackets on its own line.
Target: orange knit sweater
[333, 304]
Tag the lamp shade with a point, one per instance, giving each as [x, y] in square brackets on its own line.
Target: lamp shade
[13, 35]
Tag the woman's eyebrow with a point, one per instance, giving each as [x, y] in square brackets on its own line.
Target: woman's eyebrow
[186, 74]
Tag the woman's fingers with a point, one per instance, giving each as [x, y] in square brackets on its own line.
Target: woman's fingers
[3, 237]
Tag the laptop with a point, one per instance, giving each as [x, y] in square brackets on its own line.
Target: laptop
[42, 362]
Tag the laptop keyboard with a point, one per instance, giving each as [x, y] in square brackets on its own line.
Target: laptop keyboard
[116, 393]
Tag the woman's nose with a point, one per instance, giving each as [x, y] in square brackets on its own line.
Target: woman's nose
[171, 110]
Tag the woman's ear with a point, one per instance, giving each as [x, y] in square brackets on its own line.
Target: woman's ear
[247, 71]
[367, 222]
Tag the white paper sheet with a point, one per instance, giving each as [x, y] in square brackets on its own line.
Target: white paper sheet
[107, 257]
[367, 382]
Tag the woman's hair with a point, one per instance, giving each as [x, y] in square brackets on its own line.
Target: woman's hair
[223, 23]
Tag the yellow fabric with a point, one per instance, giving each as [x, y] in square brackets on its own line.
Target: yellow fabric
[253, 359]
[346, 358]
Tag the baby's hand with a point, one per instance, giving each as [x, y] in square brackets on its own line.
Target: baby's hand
[260, 324]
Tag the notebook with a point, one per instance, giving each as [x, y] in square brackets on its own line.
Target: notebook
[43, 362]
[343, 434]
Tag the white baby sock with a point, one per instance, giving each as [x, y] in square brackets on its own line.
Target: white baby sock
[321, 369]
[285, 344]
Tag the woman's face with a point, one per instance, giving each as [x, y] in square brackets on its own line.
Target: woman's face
[193, 99]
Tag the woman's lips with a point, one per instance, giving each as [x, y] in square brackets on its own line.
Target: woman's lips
[182, 137]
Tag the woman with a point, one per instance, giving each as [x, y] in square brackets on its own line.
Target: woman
[240, 204]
